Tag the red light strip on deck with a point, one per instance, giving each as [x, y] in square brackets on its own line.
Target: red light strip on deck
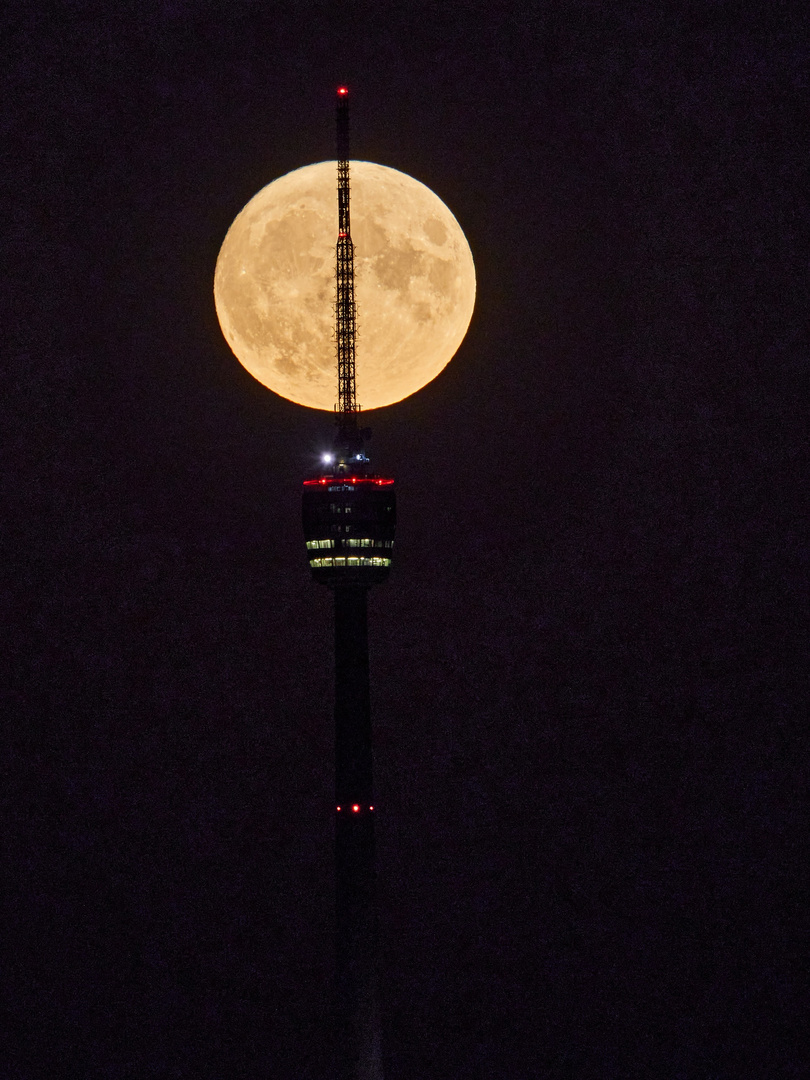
[379, 481]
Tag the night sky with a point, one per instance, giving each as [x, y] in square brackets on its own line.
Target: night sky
[589, 665]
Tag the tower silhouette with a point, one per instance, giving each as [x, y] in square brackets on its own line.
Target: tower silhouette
[349, 516]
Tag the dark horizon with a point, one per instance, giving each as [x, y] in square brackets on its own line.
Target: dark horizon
[588, 670]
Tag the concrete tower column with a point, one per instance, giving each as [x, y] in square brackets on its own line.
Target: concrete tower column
[357, 1026]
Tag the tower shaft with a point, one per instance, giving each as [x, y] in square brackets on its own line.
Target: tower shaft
[357, 1026]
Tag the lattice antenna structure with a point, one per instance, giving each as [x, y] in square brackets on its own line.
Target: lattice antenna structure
[345, 307]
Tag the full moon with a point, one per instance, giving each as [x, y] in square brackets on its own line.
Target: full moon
[274, 285]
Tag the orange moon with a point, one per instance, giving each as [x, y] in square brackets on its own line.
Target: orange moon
[274, 285]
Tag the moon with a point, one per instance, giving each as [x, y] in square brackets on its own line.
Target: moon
[274, 284]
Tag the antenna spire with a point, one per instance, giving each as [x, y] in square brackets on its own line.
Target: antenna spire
[345, 309]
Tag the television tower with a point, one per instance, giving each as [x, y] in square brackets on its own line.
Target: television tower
[349, 515]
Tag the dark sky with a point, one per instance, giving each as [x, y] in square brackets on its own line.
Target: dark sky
[588, 669]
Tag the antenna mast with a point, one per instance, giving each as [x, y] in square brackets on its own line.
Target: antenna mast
[345, 309]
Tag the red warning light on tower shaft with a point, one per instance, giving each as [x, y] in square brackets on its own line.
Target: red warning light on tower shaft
[343, 90]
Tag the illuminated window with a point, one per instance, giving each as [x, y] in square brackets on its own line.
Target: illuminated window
[320, 544]
[337, 561]
[353, 561]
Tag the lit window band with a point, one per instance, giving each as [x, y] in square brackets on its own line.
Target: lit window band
[355, 560]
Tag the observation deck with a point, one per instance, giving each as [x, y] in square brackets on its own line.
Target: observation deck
[349, 517]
